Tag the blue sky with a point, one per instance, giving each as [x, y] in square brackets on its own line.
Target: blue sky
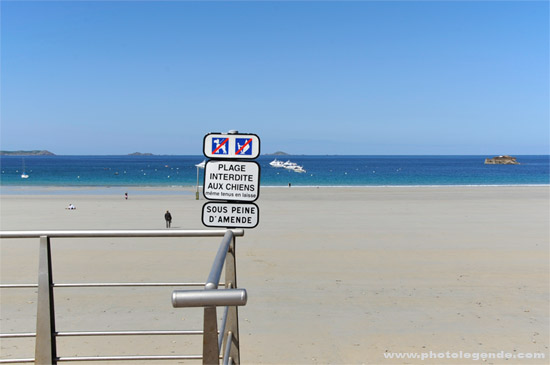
[308, 77]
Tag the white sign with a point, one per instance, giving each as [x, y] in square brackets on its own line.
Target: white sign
[231, 180]
[231, 146]
[230, 215]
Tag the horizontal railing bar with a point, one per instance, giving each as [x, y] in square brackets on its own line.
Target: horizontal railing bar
[209, 298]
[119, 233]
[108, 333]
[20, 286]
[87, 285]
[15, 361]
[122, 358]
[127, 333]
[17, 335]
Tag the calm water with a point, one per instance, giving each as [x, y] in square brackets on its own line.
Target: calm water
[158, 171]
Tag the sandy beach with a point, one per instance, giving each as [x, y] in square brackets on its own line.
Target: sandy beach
[334, 275]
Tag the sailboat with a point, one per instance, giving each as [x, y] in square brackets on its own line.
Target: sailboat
[24, 175]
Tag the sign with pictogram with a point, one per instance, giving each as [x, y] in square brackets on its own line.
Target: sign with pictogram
[232, 146]
[231, 180]
[230, 215]
[219, 146]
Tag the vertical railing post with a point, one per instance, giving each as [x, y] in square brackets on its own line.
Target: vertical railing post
[210, 349]
[232, 313]
[45, 346]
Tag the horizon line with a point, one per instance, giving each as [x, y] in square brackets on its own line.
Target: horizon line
[266, 154]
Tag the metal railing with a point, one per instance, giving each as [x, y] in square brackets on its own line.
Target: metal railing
[217, 345]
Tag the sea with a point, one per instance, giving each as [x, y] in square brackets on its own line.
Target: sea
[174, 171]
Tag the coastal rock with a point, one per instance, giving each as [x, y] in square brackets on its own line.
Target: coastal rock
[27, 153]
[501, 160]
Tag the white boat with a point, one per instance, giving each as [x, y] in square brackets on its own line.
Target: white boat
[295, 168]
[24, 175]
[289, 165]
[276, 163]
[201, 165]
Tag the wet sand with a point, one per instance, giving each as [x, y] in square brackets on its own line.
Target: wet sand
[334, 275]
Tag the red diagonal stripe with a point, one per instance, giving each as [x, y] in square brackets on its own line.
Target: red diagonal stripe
[220, 146]
[246, 144]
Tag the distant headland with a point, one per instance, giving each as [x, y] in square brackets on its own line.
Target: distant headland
[278, 153]
[140, 154]
[27, 153]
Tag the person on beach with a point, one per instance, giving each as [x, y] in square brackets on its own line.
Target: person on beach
[126, 196]
[168, 218]
[71, 207]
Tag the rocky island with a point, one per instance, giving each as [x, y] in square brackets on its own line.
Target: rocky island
[501, 160]
[278, 153]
